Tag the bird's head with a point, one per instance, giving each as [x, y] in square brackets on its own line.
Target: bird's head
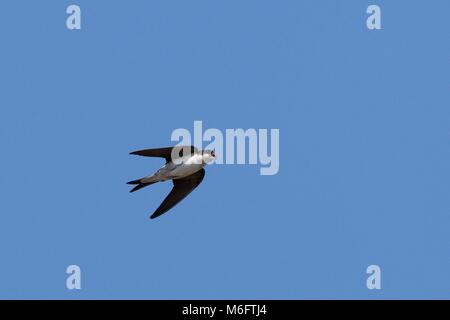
[208, 156]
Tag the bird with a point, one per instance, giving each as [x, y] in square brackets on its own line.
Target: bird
[184, 166]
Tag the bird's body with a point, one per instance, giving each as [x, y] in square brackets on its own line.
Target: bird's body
[184, 165]
[171, 170]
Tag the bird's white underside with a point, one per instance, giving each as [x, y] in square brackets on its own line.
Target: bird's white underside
[185, 167]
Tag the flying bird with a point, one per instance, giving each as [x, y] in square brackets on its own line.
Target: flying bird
[184, 166]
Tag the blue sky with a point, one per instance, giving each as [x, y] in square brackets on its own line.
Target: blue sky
[364, 149]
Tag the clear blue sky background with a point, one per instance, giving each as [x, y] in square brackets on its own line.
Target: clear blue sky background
[364, 152]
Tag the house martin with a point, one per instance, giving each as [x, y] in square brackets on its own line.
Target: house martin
[184, 166]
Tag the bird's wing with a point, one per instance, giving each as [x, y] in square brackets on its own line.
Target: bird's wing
[181, 188]
[165, 153]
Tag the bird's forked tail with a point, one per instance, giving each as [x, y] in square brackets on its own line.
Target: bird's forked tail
[139, 184]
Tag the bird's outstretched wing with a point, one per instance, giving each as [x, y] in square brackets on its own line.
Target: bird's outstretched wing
[181, 188]
[165, 153]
